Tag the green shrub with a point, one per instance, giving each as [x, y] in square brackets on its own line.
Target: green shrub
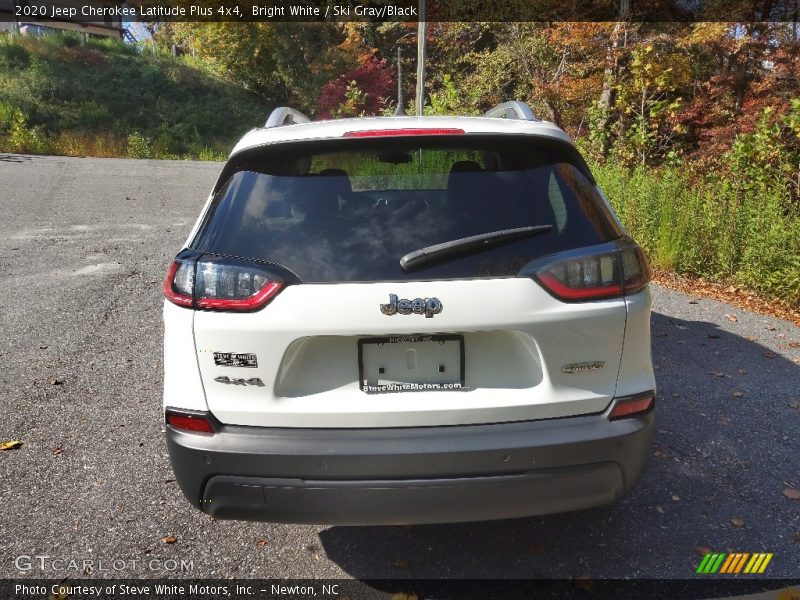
[139, 146]
[70, 40]
[739, 225]
[25, 139]
[711, 228]
[13, 56]
[210, 154]
[6, 116]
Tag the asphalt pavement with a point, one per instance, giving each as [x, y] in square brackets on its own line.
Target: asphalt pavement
[84, 245]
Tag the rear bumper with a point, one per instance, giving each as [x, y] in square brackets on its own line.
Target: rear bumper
[410, 475]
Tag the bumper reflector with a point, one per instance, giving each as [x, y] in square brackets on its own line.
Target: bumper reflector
[629, 407]
[193, 422]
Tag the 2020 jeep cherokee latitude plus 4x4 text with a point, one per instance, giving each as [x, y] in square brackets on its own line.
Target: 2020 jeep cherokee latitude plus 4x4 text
[406, 320]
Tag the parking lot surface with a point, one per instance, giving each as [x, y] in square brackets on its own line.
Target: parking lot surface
[84, 245]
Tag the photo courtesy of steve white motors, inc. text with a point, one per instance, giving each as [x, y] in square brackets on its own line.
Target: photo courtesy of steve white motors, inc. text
[64, 590]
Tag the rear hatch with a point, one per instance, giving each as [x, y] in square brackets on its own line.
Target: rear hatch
[373, 317]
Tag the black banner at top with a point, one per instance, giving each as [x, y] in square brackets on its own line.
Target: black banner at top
[106, 11]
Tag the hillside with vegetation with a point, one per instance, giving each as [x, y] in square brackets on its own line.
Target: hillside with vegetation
[692, 129]
[59, 95]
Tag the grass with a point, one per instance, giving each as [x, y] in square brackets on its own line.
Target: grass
[720, 229]
[61, 96]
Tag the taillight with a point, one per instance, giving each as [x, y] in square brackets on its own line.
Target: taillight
[219, 283]
[233, 285]
[635, 270]
[195, 422]
[583, 278]
[179, 282]
[632, 405]
[606, 273]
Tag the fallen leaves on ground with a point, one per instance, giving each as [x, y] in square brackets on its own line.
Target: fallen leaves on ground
[792, 494]
[702, 550]
[741, 371]
[169, 539]
[738, 394]
[737, 521]
[261, 543]
[676, 498]
[718, 374]
[57, 451]
[768, 354]
[404, 596]
[659, 454]
[400, 563]
[748, 301]
[732, 318]
[660, 509]
[10, 445]
[796, 537]
[56, 382]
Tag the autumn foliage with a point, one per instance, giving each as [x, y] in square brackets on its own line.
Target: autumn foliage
[361, 91]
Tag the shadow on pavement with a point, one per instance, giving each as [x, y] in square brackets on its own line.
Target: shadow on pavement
[725, 447]
[16, 158]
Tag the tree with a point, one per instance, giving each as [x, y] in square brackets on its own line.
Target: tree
[361, 91]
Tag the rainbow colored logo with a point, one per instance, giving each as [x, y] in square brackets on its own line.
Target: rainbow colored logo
[737, 562]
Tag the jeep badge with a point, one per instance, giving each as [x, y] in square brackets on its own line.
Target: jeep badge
[418, 306]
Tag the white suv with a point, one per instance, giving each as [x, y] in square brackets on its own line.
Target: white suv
[407, 320]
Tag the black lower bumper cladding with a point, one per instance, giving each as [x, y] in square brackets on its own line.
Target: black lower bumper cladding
[410, 475]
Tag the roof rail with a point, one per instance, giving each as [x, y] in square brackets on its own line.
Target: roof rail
[512, 110]
[283, 115]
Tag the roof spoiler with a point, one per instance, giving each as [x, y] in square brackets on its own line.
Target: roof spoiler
[512, 110]
[283, 115]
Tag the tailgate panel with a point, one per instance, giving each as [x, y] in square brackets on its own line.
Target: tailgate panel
[516, 338]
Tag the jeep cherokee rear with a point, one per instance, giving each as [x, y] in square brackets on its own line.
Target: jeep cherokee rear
[406, 320]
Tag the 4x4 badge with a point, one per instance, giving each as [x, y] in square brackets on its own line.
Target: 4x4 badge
[418, 306]
[239, 380]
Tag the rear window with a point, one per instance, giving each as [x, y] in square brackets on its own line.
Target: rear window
[349, 210]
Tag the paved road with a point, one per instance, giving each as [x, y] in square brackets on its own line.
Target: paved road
[84, 244]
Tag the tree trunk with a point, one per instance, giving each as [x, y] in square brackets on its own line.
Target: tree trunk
[608, 94]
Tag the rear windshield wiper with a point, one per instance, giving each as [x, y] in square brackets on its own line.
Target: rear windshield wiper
[468, 245]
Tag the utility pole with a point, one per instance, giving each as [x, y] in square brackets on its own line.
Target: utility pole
[401, 109]
[15, 28]
[420, 102]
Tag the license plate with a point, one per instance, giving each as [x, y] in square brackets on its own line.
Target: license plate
[411, 363]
